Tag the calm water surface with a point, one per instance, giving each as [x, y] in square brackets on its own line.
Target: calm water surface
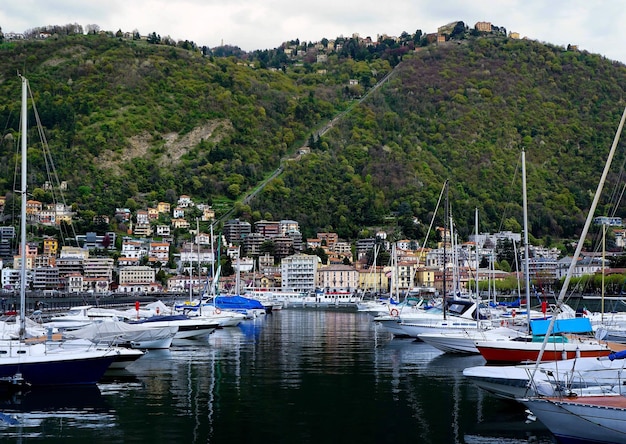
[293, 376]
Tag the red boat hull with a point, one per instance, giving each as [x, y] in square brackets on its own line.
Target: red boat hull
[511, 355]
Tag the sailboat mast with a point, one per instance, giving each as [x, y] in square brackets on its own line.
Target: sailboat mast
[603, 259]
[394, 271]
[198, 248]
[445, 233]
[526, 258]
[453, 260]
[191, 271]
[199, 266]
[24, 123]
[238, 275]
[477, 263]
[212, 254]
[376, 270]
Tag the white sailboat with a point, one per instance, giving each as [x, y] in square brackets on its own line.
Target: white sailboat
[50, 362]
[594, 418]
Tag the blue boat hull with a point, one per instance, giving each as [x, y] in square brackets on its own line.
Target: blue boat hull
[63, 372]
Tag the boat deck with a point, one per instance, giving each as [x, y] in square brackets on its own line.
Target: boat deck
[612, 401]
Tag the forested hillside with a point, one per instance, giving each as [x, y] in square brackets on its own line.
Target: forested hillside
[149, 122]
[132, 123]
[464, 111]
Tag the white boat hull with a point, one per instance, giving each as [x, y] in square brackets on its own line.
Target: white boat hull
[415, 329]
[125, 357]
[464, 341]
[391, 324]
[580, 420]
[512, 381]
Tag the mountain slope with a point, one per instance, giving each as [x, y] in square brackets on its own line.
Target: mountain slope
[464, 111]
[149, 122]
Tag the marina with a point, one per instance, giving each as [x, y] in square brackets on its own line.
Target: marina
[294, 375]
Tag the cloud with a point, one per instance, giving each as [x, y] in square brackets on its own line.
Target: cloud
[593, 26]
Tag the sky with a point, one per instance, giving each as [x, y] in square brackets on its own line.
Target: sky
[594, 26]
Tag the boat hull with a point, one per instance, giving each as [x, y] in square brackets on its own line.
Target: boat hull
[464, 341]
[450, 343]
[188, 328]
[597, 419]
[152, 344]
[515, 352]
[37, 367]
[576, 375]
[416, 329]
[392, 325]
[125, 357]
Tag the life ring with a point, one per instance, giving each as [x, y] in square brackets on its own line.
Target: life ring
[217, 310]
[394, 312]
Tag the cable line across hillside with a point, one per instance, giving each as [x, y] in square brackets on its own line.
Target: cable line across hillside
[325, 128]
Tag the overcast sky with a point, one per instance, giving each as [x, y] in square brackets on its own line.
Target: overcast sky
[595, 26]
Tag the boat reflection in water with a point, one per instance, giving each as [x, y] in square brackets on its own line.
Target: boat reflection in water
[33, 411]
[432, 385]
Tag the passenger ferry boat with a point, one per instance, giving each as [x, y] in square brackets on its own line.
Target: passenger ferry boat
[318, 298]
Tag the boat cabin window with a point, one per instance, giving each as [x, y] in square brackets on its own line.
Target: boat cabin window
[457, 308]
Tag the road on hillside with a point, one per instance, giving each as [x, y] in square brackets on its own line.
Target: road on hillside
[325, 128]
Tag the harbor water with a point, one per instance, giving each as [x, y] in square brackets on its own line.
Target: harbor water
[292, 376]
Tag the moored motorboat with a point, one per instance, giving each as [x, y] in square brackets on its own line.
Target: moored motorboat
[464, 341]
[188, 327]
[592, 418]
[240, 304]
[549, 378]
[460, 314]
[53, 363]
[570, 339]
[118, 333]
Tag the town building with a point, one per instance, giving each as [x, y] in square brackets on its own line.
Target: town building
[252, 244]
[235, 231]
[74, 283]
[267, 228]
[137, 279]
[100, 268]
[163, 207]
[609, 221]
[69, 265]
[299, 273]
[338, 278]
[46, 278]
[374, 279]
[287, 226]
[159, 251]
[29, 257]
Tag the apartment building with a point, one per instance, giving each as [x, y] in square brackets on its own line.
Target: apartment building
[299, 273]
[338, 278]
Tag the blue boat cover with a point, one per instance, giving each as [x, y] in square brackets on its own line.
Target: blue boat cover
[236, 302]
[617, 355]
[574, 325]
